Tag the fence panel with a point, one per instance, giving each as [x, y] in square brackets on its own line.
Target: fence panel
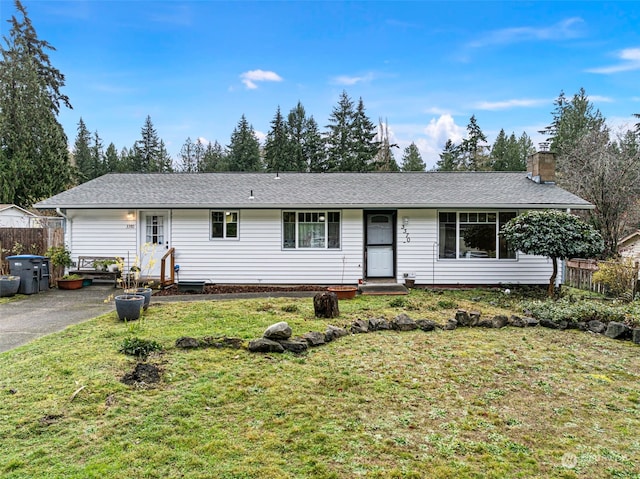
[579, 274]
[27, 241]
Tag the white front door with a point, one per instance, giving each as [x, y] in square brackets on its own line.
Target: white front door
[380, 245]
[154, 240]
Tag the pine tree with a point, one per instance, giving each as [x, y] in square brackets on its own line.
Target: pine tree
[82, 153]
[277, 153]
[339, 138]
[449, 158]
[34, 160]
[97, 157]
[412, 160]
[187, 157]
[365, 143]
[146, 151]
[297, 132]
[474, 148]
[244, 148]
[165, 163]
[111, 159]
[214, 159]
[315, 152]
[384, 159]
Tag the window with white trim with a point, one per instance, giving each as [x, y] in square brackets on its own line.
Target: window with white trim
[311, 229]
[474, 235]
[224, 225]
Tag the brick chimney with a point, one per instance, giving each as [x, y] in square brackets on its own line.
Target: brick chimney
[541, 167]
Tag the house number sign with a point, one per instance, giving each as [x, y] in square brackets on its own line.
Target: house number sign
[405, 232]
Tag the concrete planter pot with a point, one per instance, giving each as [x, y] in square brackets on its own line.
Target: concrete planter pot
[129, 306]
[343, 292]
[9, 285]
[146, 292]
[70, 283]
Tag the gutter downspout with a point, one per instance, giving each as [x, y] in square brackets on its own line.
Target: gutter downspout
[67, 221]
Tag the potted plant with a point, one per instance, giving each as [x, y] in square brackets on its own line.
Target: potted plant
[60, 258]
[342, 291]
[103, 264]
[135, 285]
[9, 285]
[70, 281]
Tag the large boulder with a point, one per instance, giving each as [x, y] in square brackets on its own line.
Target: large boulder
[378, 324]
[360, 326]
[426, 324]
[499, 321]
[278, 331]
[263, 345]
[617, 330]
[314, 338]
[403, 322]
[462, 317]
[294, 345]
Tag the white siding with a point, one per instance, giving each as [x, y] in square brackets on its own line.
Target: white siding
[101, 233]
[420, 256]
[257, 255]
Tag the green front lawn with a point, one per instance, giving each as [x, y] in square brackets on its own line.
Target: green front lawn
[469, 403]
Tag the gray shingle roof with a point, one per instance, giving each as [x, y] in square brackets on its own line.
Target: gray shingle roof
[331, 190]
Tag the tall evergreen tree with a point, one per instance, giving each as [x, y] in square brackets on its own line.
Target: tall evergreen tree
[315, 152]
[474, 148]
[188, 163]
[449, 158]
[339, 138]
[244, 148]
[297, 132]
[365, 143]
[34, 160]
[165, 163]
[214, 158]
[412, 160]
[384, 159]
[111, 159]
[97, 157]
[277, 151]
[510, 153]
[82, 152]
[146, 151]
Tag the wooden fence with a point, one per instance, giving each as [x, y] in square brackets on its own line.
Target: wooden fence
[579, 274]
[27, 241]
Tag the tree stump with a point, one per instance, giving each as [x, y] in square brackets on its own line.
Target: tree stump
[325, 305]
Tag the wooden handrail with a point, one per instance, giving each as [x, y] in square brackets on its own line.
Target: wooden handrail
[171, 280]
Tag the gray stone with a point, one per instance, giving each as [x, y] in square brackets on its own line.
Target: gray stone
[187, 343]
[360, 326]
[547, 323]
[462, 317]
[378, 324]
[581, 326]
[294, 345]
[263, 345]
[277, 331]
[426, 324]
[596, 326]
[333, 332]
[635, 335]
[474, 318]
[499, 321]
[484, 323]
[314, 338]
[403, 322]
[517, 321]
[530, 322]
[617, 330]
[451, 325]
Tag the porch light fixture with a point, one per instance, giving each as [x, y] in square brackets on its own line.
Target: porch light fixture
[131, 215]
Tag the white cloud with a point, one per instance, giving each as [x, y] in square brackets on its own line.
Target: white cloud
[630, 60]
[203, 140]
[352, 80]
[601, 99]
[513, 103]
[565, 29]
[252, 76]
[443, 128]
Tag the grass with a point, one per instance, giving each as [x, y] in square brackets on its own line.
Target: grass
[469, 403]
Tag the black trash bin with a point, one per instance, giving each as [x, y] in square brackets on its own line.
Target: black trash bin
[27, 267]
[45, 274]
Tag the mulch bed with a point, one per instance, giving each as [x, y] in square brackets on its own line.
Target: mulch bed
[232, 289]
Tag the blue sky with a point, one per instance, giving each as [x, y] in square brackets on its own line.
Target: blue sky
[424, 67]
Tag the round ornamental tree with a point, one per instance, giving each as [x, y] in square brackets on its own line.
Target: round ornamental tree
[554, 234]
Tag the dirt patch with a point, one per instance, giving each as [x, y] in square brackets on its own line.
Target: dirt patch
[143, 374]
[233, 289]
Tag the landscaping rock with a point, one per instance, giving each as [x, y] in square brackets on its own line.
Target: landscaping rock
[635, 335]
[517, 321]
[581, 326]
[547, 323]
[277, 331]
[333, 332]
[596, 326]
[296, 346]
[187, 343]
[378, 324]
[403, 322]
[617, 330]
[474, 318]
[462, 317]
[530, 322]
[325, 305]
[222, 342]
[499, 321]
[314, 338]
[451, 325]
[484, 323]
[360, 326]
[264, 345]
[426, 324]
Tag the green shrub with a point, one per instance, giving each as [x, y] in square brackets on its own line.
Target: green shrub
[140, 348]
[398, 302]
[447, 304]
[617, 277]
[575, 312]
[290, 308]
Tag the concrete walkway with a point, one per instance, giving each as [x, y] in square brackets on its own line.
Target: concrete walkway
[40, 314]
